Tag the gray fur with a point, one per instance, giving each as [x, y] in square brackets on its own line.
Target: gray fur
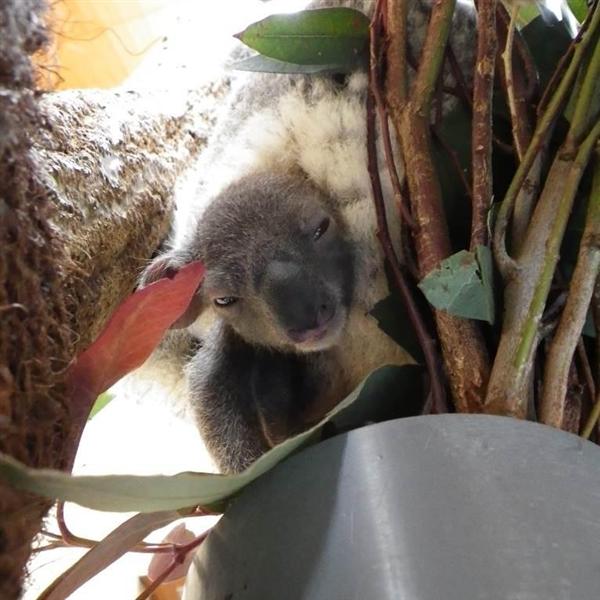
[286, 163]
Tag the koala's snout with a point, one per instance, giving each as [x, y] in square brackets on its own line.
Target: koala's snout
[316, 318]
[302, 303]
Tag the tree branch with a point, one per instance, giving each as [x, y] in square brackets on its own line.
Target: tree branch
[525, 296]
[483, 90]
[517, 123]
[425, 340]
[432, 56]
[566, 338]
[555, 105]
[464, 352]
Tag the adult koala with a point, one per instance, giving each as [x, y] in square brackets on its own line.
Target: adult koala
[283, 220]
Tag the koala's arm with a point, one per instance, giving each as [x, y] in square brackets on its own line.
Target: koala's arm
[245, 399]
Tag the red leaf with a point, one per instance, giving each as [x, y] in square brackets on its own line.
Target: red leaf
[129, 338]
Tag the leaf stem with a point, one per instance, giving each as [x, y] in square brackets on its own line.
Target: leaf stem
[67, 538]
[178, 558]
[507, 58]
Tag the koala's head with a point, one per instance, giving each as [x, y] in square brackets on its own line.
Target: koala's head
[279, 264]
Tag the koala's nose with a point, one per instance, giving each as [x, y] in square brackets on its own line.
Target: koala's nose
[310, 319]
[302, 303]
[325, 312]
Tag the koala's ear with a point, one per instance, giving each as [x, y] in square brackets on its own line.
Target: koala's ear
[168, 265]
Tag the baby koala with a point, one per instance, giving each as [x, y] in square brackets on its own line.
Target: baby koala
[281, 215]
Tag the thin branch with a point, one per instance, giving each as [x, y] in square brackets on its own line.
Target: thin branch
[375, 62]
[426, 342]
[395, 15]
[592, 420]
[560, 69]
[525, 297]
[69, 539]
[464, 94]
[582, 116]
[483, 90]
[568, 334]
[178, 559]
[525, 202]
[453, 156]
[464, 351]
[530, 84]
[552, 245]
[586, 368]
[507, 58]
[432, 55]
[553, 109]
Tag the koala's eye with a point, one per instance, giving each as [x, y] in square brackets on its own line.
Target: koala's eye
[321, 229]
[225, 301]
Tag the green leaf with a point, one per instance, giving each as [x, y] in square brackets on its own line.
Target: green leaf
[264, 64]
[463, 285]
[101, 401]
[527, 13]
[580, 9]
[327, 36]
[124, 493]
[391, 392]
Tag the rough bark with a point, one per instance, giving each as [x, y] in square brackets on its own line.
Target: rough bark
[463, 348]
[109, 161]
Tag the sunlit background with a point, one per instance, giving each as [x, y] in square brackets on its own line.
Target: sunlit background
[154, 43]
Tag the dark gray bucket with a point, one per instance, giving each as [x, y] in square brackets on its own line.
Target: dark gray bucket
[451, 507]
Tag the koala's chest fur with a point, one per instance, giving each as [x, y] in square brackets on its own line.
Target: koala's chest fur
[363, 349]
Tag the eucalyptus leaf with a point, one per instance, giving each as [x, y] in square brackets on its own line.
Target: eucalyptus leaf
[391, 392]
[124, 493]
[527, 13]
[579, 8]
[327, 36]
[463, 285]
[112, 547]
[264, 64]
